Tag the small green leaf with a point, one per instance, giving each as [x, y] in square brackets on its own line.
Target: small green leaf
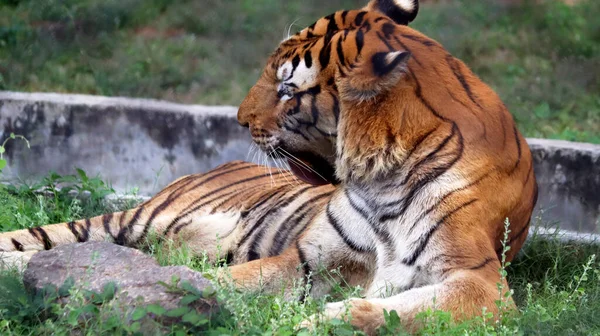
[189, 299]
[156, 309]
[191, 317]
[177, 312]
[138, 314]
[66, 286]
[135, 326]
[2, 162]
[109, 291]
[2, 150]
[336, 322]
[208, 292]
[12, 135]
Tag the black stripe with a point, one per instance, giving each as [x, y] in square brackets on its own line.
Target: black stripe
[306, 269]
[325, 53]
[413, 56]
[281, 237]
[308, 59]
[86, 230]
[233, 195]
[343, 16]
[340, 230]
[387, 44]
[383, 234]
[229, 258]
[455, 66]
[254, 209]
[363, 213]
[253, 252]
[519, 154]
[358, 20]
[208, 177]
[360, 42]
[182, 226]
[340, 52]
[18, 246]
[503, 124]
[73, 228]
[424, 180]
[446, 270]
[419, 95]
[193, 206]
[331, 25]
[484, 135]
[483, 263]
[106, 220]
[259, 203]
[44, 238]
[431, 156]
[201, 205]
[218, 172]
[388, 29]
[529, 173]
[124, 231]
[295, 63]
[523, 230]
[443, 199]
[424, 239]
[176, 220]
[427, 43]
[419, 141]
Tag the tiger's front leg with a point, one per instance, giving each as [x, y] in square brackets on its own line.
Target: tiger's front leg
[464, 294]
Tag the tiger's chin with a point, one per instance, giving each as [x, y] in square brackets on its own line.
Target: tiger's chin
[312, 168]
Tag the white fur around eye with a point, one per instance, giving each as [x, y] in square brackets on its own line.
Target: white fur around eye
[301, 77]
[284, 71]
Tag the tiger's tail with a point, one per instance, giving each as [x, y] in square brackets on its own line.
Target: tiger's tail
[124, 228]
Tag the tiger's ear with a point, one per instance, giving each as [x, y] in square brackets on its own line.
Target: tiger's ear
[401, 11]
[373, 76]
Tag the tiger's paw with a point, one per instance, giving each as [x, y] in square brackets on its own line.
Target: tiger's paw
[362, 314]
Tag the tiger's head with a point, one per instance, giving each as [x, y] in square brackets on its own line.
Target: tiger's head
[295, 107]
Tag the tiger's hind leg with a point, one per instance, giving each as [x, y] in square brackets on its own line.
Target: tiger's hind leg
[210, 235]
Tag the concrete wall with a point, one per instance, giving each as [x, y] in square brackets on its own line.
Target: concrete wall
[147, 143]
[130, 142]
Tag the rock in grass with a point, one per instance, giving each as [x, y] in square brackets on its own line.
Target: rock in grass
[127, 278]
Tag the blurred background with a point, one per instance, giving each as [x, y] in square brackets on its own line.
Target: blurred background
[542, 57]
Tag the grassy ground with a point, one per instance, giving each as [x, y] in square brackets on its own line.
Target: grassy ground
[544, 60]
[556, 286]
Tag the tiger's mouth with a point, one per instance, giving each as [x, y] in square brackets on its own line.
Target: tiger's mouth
[312, 168]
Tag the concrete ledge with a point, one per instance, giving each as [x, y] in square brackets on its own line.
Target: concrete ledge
[568, 175]
[130, 142]
[148, 143]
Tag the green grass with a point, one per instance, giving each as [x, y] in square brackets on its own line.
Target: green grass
[543, 60]
[556, 286]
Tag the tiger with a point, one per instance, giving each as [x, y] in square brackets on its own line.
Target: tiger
[404, 168]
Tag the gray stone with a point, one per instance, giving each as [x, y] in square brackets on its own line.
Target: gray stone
[568, 176]
[137, 276]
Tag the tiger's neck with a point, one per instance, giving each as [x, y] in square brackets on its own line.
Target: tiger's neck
[376, 137]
